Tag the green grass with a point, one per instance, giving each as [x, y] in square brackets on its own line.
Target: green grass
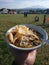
[6, 22]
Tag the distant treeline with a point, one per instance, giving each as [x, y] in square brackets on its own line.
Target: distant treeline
[21, 11]
[35, 11]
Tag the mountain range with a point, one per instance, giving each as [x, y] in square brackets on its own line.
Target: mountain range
[34, 8]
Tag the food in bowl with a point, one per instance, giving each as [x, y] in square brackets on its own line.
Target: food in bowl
[23, 37]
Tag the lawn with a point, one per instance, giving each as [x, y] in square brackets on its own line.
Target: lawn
[9, 20]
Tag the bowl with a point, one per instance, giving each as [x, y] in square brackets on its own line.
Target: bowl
[34, 27]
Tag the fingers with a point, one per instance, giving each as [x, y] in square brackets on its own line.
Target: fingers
[33, 53]
[30, 58]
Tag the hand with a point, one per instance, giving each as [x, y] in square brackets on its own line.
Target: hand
[24, 57]
[30, 59]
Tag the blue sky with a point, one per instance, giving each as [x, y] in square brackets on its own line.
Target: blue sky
[23, 3]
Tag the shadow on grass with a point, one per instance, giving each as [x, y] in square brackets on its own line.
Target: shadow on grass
[43, 26]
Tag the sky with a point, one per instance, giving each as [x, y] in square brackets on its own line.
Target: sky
[16, 4]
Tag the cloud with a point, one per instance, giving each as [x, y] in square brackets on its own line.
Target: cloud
[6, 1]
[23, 3]
[29, 3]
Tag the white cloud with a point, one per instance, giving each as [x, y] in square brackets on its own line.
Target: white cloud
[44, 3]
[6, 0]
[24, 3]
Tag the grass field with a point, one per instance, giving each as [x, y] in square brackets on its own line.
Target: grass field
[7, 21]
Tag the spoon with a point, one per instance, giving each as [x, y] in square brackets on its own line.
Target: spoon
[45, 41]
